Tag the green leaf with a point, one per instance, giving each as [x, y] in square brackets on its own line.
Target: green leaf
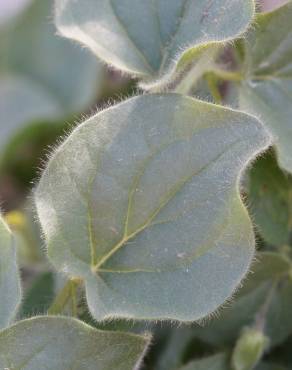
[267, 90]
[249, 301]
[142, 202]
[150, 38]
[63, 343]
[43, 75]
[10, 291]
[270, 199]
[215, 362]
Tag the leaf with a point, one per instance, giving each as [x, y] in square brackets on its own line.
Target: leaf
[10, 291]
[41, 74]
[150, 38]
[270, 198]
[250, 299]
[267, 92]
[142, 202]
[215, 362]
[32, 49]
[63, 343]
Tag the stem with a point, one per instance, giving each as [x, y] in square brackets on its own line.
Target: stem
[228, 75]
[260, 319]
[212, 82]
[67, 292]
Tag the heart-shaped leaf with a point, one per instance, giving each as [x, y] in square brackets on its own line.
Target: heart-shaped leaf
[64, 343]
[267, 91]
[142, 202]
[149, 38]
[10, 292]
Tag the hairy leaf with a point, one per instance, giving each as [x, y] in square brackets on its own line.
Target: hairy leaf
[64, 343]
[270, 198]
[267, 92]
[10, 292]
[270, 274]
[142, 202]
[215, 362]
[148, 38]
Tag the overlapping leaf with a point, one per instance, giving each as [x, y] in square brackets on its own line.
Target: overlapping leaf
[148, 38]
[64, 343]
[142, 202]
[215, 362]
[10, 293]
[267, 91]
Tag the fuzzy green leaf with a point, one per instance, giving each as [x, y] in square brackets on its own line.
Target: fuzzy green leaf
[251, 298]
[267, 90]
[64, 343]
[10, 292]
[148, 38]
[142, 202]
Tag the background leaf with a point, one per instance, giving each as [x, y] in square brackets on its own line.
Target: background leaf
[152, 210]
[270, 199]
[267, 90]
[10, 292]
[42, 76]
[148, 38]
[250, 299]
[62, 343]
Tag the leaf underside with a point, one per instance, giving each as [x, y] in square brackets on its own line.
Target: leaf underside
[147, 38]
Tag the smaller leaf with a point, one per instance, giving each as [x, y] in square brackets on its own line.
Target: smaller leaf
[215, 362]
[62, 343]
[10, 291]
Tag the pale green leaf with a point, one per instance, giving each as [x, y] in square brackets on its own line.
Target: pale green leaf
[148, 38]
[60, 343]
[215, 362]
[271, 267]
[267, 90]
[142, 202]
[10, 292]
[31, 48]
[42, 76]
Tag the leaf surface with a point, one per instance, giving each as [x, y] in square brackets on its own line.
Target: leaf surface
[148, 38]
[10, 292]
[65, 343]
[267, 90]
[215, 362]
[142, 202]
